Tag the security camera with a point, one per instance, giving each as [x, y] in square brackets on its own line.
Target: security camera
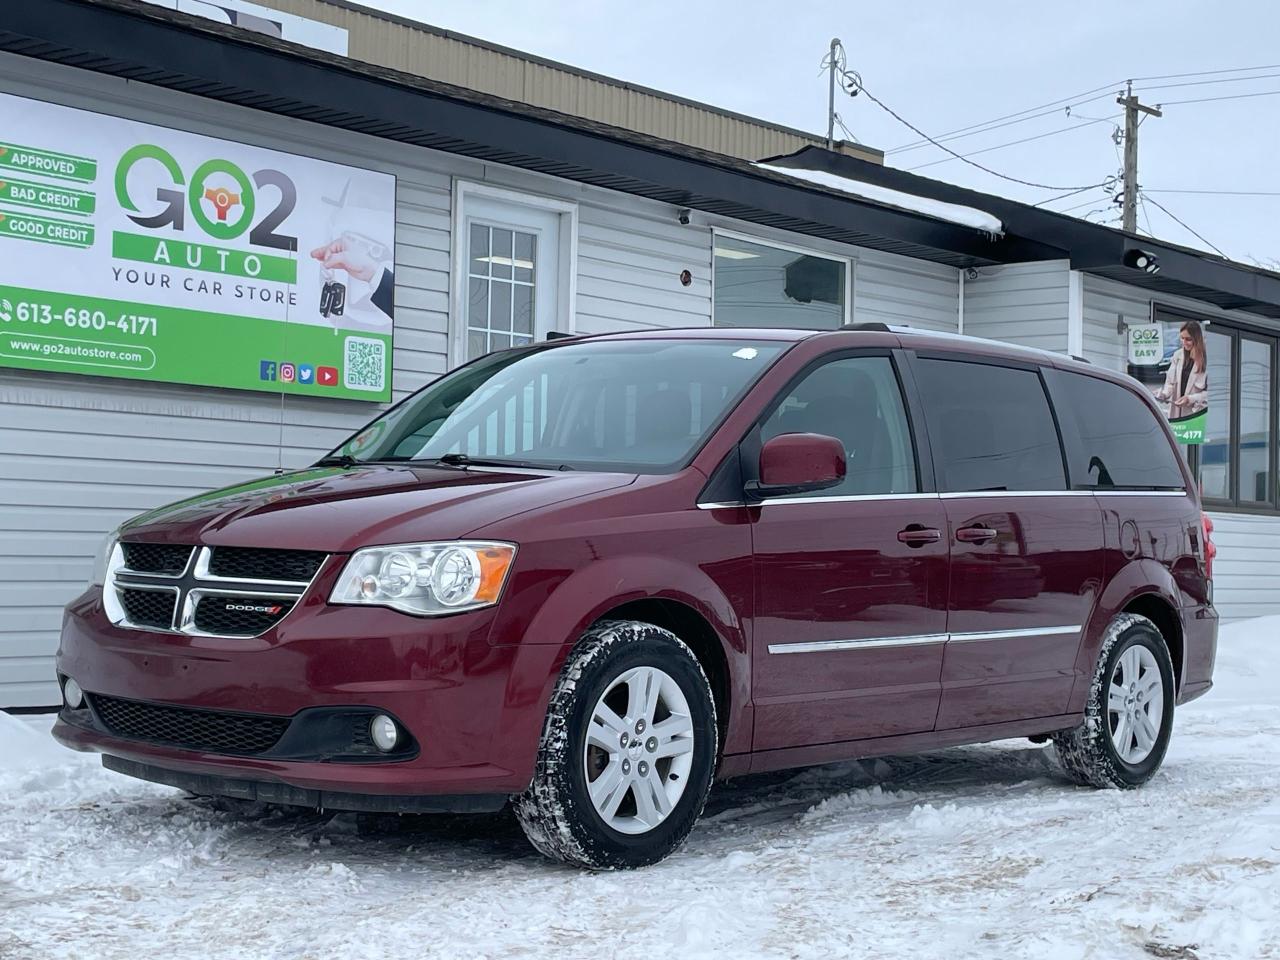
[684, 216]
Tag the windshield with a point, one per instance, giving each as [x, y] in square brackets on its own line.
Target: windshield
[641, 406]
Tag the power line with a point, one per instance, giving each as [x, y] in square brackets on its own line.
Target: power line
[1214, 100]
[1221, 193]
[859, 88]
[1072, 193]
[1208, 73]
[1205, 83]
[1014, 143]
[1159, 206]
[1052, 107]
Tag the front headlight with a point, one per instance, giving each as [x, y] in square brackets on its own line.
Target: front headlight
[426, 578]
[102, 560]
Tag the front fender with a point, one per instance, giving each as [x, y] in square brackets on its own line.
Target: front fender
[592, 591]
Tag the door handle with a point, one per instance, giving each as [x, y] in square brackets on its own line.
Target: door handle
[975, 534]
[917, 536]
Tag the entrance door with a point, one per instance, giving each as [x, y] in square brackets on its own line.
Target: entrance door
[1026, 553]
[850, 582]
[511, 274]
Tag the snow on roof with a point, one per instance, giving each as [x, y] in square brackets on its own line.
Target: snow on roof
[951, 212]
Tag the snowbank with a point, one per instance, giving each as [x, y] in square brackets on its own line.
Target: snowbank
[951, 212]
[970, 853]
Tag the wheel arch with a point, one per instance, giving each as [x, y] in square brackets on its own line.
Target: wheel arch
[668, 593]
[1144, 587]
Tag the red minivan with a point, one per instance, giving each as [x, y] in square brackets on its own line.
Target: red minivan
[591, 576]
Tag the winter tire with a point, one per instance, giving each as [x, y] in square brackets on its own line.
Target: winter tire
[1129, 715]
[628, 750]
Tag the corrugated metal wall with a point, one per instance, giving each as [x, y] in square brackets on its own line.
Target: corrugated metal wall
[439, 55]
[1247, 572]
[1023, 303]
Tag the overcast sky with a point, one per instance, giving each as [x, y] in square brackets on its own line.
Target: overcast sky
[944, 66]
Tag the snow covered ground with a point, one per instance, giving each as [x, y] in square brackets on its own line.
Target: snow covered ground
[974, 852]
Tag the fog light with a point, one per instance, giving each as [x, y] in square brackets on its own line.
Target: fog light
[72, 694]
[384, 733]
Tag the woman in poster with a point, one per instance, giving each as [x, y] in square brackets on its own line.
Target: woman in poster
[1186, 388]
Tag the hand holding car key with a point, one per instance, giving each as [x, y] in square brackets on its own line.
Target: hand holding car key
[358, 255]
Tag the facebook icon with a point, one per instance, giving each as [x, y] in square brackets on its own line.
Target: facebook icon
[266, 370]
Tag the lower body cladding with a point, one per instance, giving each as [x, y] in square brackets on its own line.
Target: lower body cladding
[414, 716]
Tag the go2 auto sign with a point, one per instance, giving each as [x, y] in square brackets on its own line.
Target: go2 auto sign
[131, 250]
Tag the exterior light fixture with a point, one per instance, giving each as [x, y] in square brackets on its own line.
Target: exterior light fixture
[1142, 260]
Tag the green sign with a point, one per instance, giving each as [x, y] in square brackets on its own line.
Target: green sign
[166, 256]
[1190, 430]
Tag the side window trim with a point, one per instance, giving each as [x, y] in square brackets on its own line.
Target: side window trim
[749, 446]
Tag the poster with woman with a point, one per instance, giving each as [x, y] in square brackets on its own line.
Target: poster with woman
[1185, 393]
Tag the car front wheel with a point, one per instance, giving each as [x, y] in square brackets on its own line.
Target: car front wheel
[628, 750]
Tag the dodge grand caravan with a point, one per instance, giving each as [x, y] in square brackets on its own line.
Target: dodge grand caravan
[591, 576]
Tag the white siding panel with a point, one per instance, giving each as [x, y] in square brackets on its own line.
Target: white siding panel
[1022, 303]
[629, 265]
[1246, 573]
[898, 290]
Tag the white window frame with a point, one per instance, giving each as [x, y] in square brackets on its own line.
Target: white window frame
[849, 263]
[567, 268]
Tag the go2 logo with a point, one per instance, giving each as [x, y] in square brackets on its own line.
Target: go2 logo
[224, 187]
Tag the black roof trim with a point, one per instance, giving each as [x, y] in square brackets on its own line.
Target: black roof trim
[1091, 247]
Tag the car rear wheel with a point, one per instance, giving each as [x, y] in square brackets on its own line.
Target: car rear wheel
[1129, 715]
[628, 750]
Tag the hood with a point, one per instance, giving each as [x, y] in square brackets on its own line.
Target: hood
[338, 510]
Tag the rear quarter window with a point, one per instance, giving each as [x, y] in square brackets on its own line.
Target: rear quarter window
[1114, 440]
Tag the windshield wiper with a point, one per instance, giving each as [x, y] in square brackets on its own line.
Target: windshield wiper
[341, 460]
[465, 460]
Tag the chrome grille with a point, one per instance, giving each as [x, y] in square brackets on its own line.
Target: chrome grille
[235, 615]
[236, 592]
[251, 563]
[149, 608]
[164, 559]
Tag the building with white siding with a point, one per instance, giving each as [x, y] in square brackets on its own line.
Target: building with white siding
[632, 229]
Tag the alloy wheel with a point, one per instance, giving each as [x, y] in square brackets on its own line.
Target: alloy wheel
[1135, 704]
[638, 750]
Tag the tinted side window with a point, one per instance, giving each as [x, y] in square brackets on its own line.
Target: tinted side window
[990, 427]
[1121, 443]
[856, 400]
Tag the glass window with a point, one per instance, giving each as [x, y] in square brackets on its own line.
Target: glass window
[1121, 440]
[990, 427]
[757, 285]
[1255, 421]
[501, 276]
[642, 406]
[1215, 452]
[858, 401]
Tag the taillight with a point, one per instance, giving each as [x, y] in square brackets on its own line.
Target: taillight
[1210, 550]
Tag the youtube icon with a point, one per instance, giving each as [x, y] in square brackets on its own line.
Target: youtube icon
[327, 376]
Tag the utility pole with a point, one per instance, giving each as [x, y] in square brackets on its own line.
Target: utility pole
[831, 94]
[1131, 109]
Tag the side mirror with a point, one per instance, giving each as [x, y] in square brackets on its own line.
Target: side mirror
[797, 463]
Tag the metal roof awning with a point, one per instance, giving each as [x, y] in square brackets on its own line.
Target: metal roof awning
[153, 45]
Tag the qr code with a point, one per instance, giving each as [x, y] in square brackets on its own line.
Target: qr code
[366, 364]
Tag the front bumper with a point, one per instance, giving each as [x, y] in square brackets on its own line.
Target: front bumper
[473, 709]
